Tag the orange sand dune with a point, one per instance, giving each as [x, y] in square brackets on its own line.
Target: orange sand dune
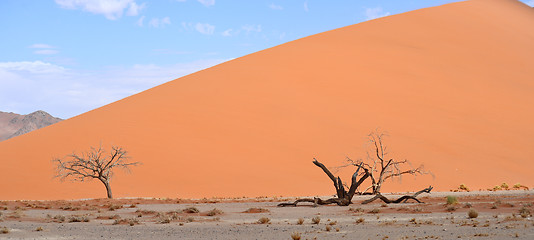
[452, 85]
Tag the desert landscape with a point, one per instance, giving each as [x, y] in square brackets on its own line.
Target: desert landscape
[497, 215]
[438, 97]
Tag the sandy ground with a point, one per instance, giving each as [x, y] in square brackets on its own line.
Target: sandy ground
[499, 218]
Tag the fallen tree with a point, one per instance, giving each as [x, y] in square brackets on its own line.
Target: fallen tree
[343, 198]
[402, 199]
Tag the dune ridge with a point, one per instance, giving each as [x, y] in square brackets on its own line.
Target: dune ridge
[452, 85]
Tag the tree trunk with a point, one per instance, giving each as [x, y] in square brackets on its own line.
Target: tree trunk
[108, 188]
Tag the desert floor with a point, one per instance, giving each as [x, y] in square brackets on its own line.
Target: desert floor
[501, 215]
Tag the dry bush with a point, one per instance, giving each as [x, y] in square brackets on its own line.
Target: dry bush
[214, 212]
[113, 207]
[451, 208]
[333, 223]
[374, 210]
[59, 218]
[39, 229]
[78, 218]
[328, 228]
[129, 221]
[300, 221]
[360, 220]
[256, 210]
[463, 187]
[524, 212]
[191, 210]
[472, 213]
[358, 210]
[295, 236]
[264, 220]
[4, 230]
[504, 186]
[316, 220]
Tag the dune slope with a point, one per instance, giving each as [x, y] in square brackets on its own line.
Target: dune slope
[452, 85]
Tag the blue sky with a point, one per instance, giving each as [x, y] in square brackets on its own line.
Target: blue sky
[70, 56]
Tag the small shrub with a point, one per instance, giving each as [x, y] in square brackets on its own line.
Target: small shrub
[264, 220]
[190, 219]
[452, 200]
[333, 223]
[463, 187]
[4, 230]
[59, 218]
[328, 228]
[356, 210]
[451, 208]
[295, 236]
[256, 210]
[114, 207]
[494, 206]
[360, 220]
[76, 218]
[191, 210]
[214, 212]
[163, 219]
[524, 212]
[472, 213]
[300, 221]
[375, 210]
[497, 188]
[316, 220]
[504, 186]
[39, 229]
[337, 229]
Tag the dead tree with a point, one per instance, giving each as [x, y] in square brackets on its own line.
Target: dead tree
[93, 164]
[402, 199]
[380, 167]
[343, 198]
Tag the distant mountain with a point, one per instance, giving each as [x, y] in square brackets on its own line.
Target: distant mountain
[12, 124]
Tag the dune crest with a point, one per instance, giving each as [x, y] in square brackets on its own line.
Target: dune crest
[452, 85]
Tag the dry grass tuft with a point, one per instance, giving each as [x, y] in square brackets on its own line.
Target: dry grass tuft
[452, 200]
[4, 230]
[316, 220]
[214, 212]
[78, 218]
[256, 210]
[295, 236]
[264, 220]
[300, 221]
[360, 220]
[191, 210]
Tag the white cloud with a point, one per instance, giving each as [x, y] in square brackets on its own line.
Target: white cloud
[156, 22]
[41, 45]
[251, 28]
[275, 7]
[30, 86]
[373, 13]
[36, 67]
[205, 28]
[140, 21]
[306, 6]
[230, 32]
[46, 52]
[134, 9]
[111, 9]
[207, 3]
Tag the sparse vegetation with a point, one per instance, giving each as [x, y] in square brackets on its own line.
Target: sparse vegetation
[374, 210]
[524, 212]
[452, 200]
[295, 236]
[504, 186]
[4, 230]
[39, 229]
[78, 218]
[328, 228]
[472, 213]
[316, 220]
[360, 220]
[300, 221]
[264, 220]
[256, 210]
[463, 187]
[191, 210]
[214, 212]
[451, 208]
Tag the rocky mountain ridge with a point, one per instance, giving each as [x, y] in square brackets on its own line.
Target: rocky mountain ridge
[12, 124]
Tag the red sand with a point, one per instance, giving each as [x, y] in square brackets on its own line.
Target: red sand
[452, 85]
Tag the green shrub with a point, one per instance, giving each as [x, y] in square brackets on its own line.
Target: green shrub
[452, 200]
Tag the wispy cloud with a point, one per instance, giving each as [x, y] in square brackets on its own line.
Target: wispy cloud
[28, 86]
[373, 13]
[230, 32]
[44, 49]
[157, 22]
[135, 9]
[207, 3]
[140, 21]
[306, 6]
[530, 3]
[251, 28]
[205, 28]
[275, 7]
[111, 9]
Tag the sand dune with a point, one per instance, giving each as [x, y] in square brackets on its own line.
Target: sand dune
[452, 85]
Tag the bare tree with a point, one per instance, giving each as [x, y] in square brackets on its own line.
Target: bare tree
[380, 167]
[93, 164]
